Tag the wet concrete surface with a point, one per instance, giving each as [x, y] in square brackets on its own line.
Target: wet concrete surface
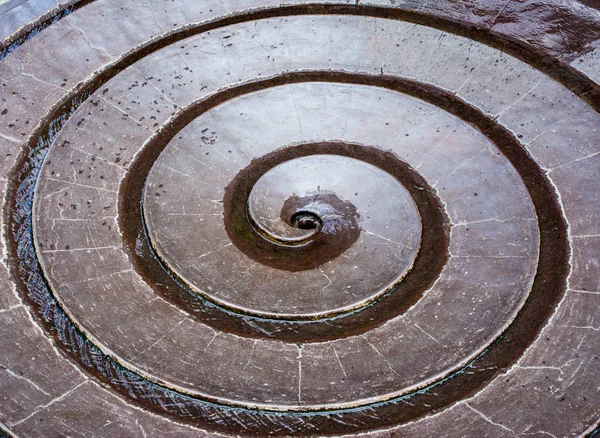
[373, 218]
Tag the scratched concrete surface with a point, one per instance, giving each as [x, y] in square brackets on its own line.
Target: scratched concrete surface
[248, 218]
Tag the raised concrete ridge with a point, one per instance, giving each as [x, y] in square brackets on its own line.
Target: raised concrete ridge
[345, 218]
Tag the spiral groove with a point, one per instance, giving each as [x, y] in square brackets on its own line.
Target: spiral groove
[249, 225]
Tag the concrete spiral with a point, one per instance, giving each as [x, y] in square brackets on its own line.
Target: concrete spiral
[307, 219]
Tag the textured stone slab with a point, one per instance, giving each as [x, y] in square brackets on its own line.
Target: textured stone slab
[589, 63]
[556, 374]
[582, 196]
[17, 13]
[94, 412]
[33, 372]
[466, 152]
[24, 101]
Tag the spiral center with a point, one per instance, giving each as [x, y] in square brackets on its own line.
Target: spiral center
[306, 220]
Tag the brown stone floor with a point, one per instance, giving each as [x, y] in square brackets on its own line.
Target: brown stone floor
[245, 217]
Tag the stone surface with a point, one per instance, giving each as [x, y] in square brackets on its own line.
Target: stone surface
[352, 218]
[393, 221]
[183, 199]
[17, 13]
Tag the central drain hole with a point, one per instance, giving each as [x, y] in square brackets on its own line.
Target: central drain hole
[305, 220]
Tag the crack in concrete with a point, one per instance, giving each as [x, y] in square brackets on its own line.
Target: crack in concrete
[47, 405]
[339, 362]
[389, 365]
[31, 382]
[429, 335]
[489, 420]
